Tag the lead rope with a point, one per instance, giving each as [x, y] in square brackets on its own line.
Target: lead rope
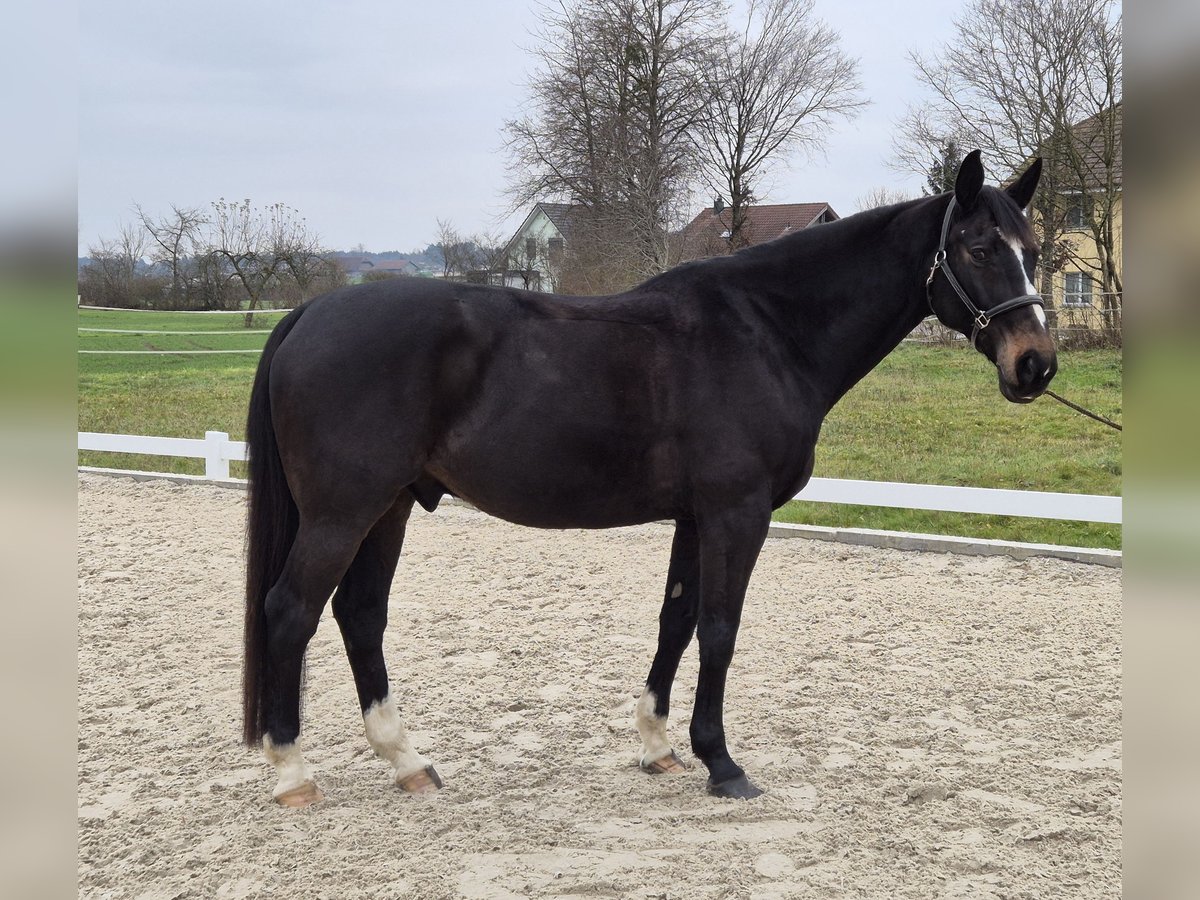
[1086, 412]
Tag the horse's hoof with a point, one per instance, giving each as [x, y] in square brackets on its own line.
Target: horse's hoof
[739, 788]
[668, 765]
[299, 797]
[426, 781]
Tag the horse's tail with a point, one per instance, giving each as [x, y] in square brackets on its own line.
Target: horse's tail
[270, 531]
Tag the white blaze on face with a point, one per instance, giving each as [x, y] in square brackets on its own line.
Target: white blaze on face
[652, 728]
[1015, 246]
[289, 765]
[389, 739]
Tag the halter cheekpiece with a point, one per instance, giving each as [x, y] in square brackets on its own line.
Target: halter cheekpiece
[982, 318]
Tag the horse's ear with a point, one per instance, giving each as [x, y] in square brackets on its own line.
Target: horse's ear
[1022, 189]
[969, 181]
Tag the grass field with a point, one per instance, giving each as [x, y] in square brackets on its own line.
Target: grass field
[926, 415]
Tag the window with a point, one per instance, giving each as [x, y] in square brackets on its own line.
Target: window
[1077, 213]
[531, 248]
[1077, 289]
[555, 249]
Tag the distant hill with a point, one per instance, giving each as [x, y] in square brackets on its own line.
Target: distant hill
[427, 261]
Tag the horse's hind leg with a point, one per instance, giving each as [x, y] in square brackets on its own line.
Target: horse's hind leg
[360, 607]
[676, 624]
[320, 555]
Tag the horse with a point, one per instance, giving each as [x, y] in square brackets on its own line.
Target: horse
[696, 397]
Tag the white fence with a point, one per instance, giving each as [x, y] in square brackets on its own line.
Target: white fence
[217, 451]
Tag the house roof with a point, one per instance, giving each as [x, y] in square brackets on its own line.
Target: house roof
[562, 216]
[1091, 136]
[708, 232]
[350, 264]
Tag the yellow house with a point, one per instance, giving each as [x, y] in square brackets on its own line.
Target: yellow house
[1086, 284]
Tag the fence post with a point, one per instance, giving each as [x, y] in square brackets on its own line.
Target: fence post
[215, 463]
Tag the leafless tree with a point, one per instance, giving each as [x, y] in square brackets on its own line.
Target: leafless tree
[1024, 78]
[881, 196]
[175, 239]
[473, 257]
[613, 115]
[116, 276]
[776, 87]
[456, 256]
[261, 249]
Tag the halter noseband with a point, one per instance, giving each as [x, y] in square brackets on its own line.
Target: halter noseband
[982, 319]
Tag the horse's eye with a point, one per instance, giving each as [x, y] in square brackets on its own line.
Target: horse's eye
[979, 254]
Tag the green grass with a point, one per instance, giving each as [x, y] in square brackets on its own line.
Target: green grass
[172, 321]
[169, 396]
[927, 414]
[934, 415]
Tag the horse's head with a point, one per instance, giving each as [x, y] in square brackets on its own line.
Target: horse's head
[981, 280]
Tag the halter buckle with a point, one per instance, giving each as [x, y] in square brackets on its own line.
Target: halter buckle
[938, 259]
[982, 321]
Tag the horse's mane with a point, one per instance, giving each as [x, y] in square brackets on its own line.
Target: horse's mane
[1008, 216]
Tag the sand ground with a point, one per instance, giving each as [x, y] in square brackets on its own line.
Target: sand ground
[925, 725]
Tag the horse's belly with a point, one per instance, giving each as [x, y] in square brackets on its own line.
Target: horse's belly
[563, 484]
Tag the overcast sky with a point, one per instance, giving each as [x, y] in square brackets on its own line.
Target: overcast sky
[375, 119]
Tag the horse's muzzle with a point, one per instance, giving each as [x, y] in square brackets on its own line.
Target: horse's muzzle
[1031, 375]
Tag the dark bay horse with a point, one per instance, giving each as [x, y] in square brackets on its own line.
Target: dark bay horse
[697, 397]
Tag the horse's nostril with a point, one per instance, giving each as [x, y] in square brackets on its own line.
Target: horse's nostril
[1028, 369]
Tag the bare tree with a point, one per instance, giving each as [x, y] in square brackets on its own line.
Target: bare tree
[456, 258]
[925, 145]
[259, 249]
[301, 253]
[614, 111]
[881, 196]
[468, 257]
[776, 88]
[175, 241]
[1024, 78]
[116, 276]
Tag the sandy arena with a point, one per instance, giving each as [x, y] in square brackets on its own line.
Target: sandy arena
[925, 725]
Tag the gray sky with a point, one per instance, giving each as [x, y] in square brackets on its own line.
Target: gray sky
[375, 119]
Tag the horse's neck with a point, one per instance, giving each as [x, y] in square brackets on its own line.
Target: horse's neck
[850, 296]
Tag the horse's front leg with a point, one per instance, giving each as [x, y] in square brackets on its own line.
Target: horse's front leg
[676, 625]
[730, 541]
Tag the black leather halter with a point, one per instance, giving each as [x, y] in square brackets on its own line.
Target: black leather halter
[982, 318]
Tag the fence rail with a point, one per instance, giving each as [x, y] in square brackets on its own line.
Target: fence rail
[218, 451]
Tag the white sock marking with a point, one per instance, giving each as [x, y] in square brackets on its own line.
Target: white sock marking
[677, 591]
[652, 728]
[389, 739]
[289, 765]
